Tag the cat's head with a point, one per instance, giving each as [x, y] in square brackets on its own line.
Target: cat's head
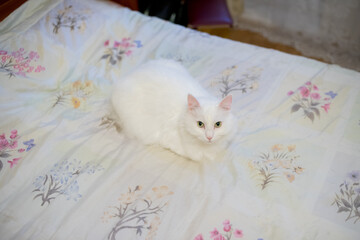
[209, 121]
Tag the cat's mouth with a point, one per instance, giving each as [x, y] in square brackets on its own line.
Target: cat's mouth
[211, 141]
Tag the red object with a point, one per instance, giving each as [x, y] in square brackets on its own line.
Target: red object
[132, 4]
[208, 12]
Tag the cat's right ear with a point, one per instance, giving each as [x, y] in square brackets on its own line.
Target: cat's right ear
[226, 103]
[192, 102]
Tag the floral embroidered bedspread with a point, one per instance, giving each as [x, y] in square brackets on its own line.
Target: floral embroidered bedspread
[68, 172]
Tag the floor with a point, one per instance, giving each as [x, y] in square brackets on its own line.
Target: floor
[6, 7]
[254, 38]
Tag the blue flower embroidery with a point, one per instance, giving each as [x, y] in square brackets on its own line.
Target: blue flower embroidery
[30, 144]
[331, 94]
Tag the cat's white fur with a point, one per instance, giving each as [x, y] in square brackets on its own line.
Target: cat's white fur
[161, 103]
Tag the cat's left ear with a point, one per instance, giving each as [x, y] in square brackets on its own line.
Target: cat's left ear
[192, 102]
[226, 103]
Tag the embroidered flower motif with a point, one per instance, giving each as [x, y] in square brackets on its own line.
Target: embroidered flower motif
[304, 91]
[228, 81]
[331, 94]
[14, 162]
[347, 199]
[326, 107]
[129, 197]
[62, 180]
[30, 144]
[162, 191]
[75, 101]
[3, 144]
[354, 176]
[76, 93]
[290, 177]
[238, 233]
[227, 235]
[277, 147]
[227, 226]
[291, 148]
[214, 233]
[311, 101]
[9, 147]
[315, 96]
[279, 161]
[137, 213]
[119, 49]
[199, 237]
[71, 19]
[19, 63]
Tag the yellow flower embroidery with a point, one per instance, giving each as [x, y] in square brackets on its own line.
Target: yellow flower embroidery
[130, 196]
[162, 191]
[76, 102]
[291, 148]
[88, 84]
[290, 177]
[282, 160]
[277, 147]
[298, 170]
[76, 85]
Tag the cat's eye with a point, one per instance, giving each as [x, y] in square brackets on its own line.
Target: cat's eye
[218, 124]
[200, 124]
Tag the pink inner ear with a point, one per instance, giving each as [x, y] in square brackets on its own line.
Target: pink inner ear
[226, 102]
[192, 102]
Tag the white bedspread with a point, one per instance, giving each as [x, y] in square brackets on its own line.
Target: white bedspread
[68, 172]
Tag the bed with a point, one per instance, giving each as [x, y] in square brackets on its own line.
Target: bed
[68, 172]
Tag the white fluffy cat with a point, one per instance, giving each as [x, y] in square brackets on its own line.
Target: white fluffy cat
[161, 103]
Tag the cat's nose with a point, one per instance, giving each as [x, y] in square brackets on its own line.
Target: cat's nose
[209, 138]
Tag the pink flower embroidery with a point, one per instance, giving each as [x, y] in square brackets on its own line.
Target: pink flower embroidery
[199, 237]
[13, 162]
[126, 45]
[228, 233]
[13, 144]
[227, 226]
[3, 144]
[304, 91]
[30, 69]
[21, 150]
[119, 50]
[19, 62]
[214, 233]
[13, 134]
[315, 96]
[315, 87]
[116, 44]
[290, 93]
[39, 69]
[219, 237]
[238, 233]
[326, 107]
[308, 83]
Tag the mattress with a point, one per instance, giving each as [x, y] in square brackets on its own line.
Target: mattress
[68, 172]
